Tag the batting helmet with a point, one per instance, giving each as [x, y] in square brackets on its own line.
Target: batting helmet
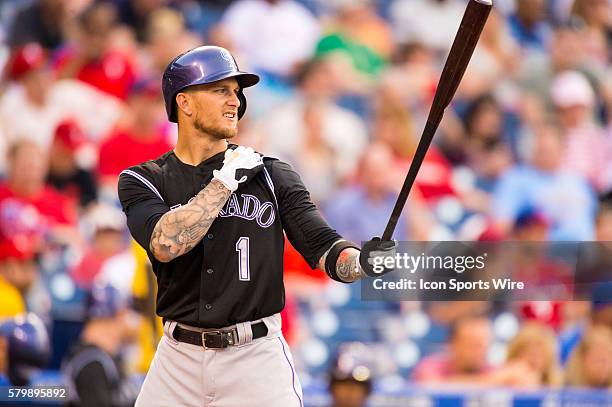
[28, 346]
[104, 301]
[201, 65]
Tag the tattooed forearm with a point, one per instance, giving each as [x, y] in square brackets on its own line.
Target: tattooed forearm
[179, 230]
[347, 265]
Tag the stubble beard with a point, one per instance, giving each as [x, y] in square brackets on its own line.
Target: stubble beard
[216, 132]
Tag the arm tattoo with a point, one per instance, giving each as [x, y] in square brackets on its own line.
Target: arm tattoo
[179, 230]
[347, 265]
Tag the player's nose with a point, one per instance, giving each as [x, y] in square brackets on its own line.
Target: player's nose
[234, 100]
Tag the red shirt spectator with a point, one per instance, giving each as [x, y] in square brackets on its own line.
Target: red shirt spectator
[123, 149]
[95, 59]
[112, 72]
[141, 137]
[28, 207]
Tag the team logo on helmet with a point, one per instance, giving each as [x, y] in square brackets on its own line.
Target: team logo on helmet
[227, 56]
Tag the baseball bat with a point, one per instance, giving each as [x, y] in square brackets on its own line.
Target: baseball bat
[460, 54]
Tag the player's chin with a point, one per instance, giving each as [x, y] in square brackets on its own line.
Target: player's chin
[226, 132]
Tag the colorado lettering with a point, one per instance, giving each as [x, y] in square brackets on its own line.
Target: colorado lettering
[249, 207]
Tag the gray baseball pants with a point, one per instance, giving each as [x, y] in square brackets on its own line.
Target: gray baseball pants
[253, 373]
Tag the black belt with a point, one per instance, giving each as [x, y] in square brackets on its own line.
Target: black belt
[216, 339]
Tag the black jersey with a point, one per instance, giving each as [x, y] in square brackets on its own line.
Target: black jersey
[95, 378]
[235, 274]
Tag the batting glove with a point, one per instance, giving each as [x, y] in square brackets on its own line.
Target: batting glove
[373, 255]
[239, 165]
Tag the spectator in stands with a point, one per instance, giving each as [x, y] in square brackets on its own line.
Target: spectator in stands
[166, 37]
[541, 184]
[18, 270]
[287, 28]
[536, 346]
[465, 360]
[495, 60]
[70, 162]
[600, 316]
[529, 26]
[593, 16]
[96, 57]
[29, 208]
[590, 364]
[587, 149]
[94, 369]
[359, 21]
[137, 13]
[486, 150]
[140, 137]
[566, 53]
[409, 81]
[326, 140]
[359, 34]
[41, 21]
[375, 193]
[412, 21]
[350, 376]
[104, 228]
[34, 103]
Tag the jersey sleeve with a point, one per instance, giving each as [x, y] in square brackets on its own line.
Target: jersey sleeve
[306, 229]
[93, 387]
[142, 205]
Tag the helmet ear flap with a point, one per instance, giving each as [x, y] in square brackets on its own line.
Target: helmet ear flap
[243, 104]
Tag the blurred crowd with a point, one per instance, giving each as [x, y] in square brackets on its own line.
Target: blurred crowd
[523, 153]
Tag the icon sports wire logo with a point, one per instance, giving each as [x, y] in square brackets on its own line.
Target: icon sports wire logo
[423, 262]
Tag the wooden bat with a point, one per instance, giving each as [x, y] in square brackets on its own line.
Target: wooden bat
[463, 47]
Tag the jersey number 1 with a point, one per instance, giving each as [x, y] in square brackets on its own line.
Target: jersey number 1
[242, 247]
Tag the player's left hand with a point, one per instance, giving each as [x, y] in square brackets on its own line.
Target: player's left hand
[240, 165]
[373, 255]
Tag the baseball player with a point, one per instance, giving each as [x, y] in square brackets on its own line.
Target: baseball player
[94, 370]
[211, 216]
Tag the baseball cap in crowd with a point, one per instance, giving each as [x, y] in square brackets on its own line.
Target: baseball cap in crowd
[105, 301]
[25, 59]
[601, 297]
[146, 87]
[69, 133]
[103, 217]
[16, 249]
[530, 217]
[571, 88]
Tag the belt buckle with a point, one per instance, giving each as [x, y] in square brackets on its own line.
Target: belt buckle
[217, 339]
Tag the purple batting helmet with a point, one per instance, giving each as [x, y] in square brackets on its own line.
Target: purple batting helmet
[28, 346]
[201, 65]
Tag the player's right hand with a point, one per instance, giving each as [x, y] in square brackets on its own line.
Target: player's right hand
[373, 255]
[240, 165]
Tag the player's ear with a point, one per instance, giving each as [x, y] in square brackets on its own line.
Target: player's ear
[184, 103]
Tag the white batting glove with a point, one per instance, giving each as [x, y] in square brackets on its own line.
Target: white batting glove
[239, 165]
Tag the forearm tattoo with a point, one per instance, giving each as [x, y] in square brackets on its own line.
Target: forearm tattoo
[347, 265]
[179, 230]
